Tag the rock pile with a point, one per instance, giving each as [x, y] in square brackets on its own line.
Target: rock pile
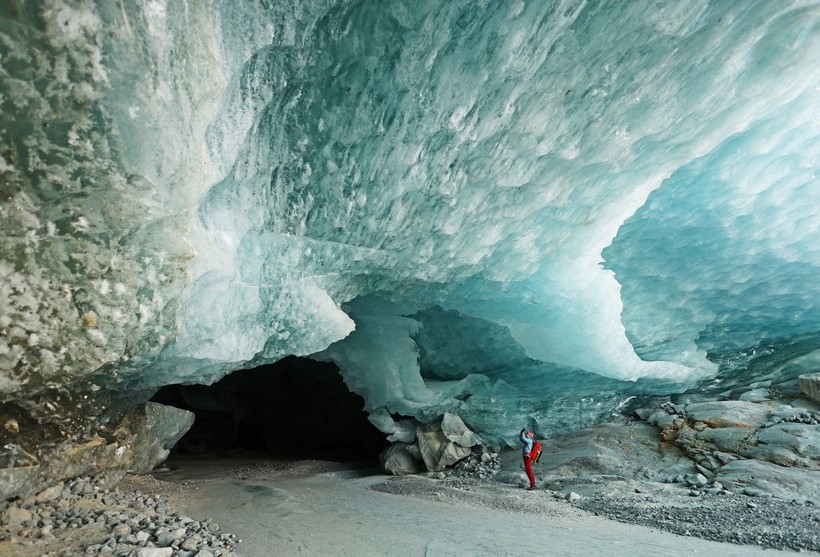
[113, 522]
[431, 447]
[803, 417]
[483, 466]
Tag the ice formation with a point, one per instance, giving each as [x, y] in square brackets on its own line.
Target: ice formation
[516, 211]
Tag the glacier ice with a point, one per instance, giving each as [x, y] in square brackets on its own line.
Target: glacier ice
[512, 211]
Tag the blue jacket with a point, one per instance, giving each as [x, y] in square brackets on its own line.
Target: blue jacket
[527, 443]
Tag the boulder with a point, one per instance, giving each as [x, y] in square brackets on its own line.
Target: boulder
[157, 428]
[755, 395]
[456, 431]
[810, 385]
[728, 413]
[399, 461]
[21, 480]
[14, 516]
[49, 494]
[437, 451]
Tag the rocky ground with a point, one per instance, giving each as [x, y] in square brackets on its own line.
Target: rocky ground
[86, 516]
[741, 468]
[766, 522]
[737, 519]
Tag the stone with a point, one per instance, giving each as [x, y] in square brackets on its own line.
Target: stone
[788, 444]
[456, 431]
[572, 497]
[165, 538]
[810, 385]
[157, 428]
[397, 460]
[724, 439]
[48, 494]
[190, 544]
[661, 418]
[706, 472]
[154, 552]
[755, 395]
[15, 516]
[764, 478]
[728, 413]
[696, 480]
[437, 451]
[18, 481]
[73, 460]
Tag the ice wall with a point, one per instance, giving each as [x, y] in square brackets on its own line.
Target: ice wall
[509, 210]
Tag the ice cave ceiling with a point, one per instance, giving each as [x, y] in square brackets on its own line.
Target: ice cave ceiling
[505, 209]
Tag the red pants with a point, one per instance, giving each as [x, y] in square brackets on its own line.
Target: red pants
[528, 468]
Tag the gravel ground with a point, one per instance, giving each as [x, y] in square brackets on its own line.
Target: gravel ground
[737, 519]
[86, 516]
[766, 522]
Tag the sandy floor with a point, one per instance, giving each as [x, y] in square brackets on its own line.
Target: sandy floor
[315, 508]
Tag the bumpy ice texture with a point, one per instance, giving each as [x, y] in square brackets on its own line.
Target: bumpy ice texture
[508, 210]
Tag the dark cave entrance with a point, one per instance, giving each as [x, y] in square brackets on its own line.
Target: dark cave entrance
[297, 408]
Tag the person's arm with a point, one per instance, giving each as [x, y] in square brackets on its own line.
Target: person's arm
[527, 442]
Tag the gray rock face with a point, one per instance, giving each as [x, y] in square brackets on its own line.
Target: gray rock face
[611, 449]
[397, 460]
[810, 386]
[754, 477]
[728, 413]
[437, 451]
[725, 439]
[788, 444]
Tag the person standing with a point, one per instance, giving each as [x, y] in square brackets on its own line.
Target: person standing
[526, 439]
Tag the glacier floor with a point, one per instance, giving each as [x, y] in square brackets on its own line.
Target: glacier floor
[321, 508]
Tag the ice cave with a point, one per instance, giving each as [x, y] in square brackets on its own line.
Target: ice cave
[476, 215]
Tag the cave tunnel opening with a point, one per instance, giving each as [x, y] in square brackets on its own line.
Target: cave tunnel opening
[296, 408]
